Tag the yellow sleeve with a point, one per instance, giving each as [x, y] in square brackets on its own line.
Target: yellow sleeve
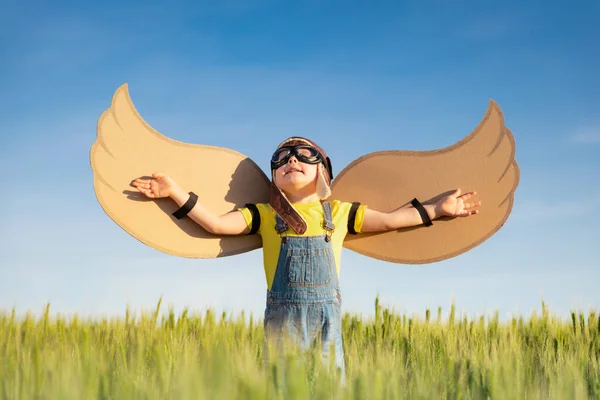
[360, 218]
[262, 210]
[341, 210]
[247, 216]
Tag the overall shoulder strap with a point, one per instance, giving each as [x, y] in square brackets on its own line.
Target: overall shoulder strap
[328, 224]
[284, 209]
[281, 226]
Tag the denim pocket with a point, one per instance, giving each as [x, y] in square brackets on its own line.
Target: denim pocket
[308, 268]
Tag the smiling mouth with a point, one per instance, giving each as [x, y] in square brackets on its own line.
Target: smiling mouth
[293, 170]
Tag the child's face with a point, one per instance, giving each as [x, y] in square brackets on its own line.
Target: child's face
[295, 176]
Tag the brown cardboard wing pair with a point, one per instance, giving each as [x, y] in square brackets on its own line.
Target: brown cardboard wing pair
[127, 147]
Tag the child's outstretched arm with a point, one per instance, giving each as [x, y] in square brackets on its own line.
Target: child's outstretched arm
[453, 205]
[232, 223]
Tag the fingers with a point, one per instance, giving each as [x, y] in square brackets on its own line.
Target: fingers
[146, 192]
[467, 195]
[472, 204]
[468, 213]
[148, 187]
[142, 186]
[143, 183]
[462, 206]
[139, 181]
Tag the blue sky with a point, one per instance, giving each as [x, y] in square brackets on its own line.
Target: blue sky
[244, 75]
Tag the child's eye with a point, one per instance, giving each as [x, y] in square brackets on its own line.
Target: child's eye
[280, 155]
[305, 152]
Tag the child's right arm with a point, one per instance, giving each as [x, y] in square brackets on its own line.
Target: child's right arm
[232, 223]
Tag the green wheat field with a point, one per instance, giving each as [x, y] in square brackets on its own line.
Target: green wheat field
[160, 355]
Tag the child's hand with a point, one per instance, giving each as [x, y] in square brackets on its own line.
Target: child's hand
[454, 205]
[160, 186]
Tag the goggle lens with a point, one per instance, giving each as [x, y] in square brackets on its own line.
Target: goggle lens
[303, 153]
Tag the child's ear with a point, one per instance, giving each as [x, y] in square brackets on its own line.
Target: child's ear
[323, 190]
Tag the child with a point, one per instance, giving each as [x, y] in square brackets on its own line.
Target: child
[302, 234]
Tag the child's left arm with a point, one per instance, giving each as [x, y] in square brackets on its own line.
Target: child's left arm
[453, 205]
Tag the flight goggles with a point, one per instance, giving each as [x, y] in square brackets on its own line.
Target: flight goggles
[305, 153]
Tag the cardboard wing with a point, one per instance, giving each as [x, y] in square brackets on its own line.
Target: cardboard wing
[127, 147]
[483, 161]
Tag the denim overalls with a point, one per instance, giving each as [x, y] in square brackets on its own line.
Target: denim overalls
[305, 300]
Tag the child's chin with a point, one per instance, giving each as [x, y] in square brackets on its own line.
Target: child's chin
[294, 179]
[293, 185]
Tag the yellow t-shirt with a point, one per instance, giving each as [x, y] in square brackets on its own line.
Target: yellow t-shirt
[313, 215]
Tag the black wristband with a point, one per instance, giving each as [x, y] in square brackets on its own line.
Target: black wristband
[422, 211]
[187, 207]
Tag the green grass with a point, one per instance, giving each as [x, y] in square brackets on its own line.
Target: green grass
[164, 356]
